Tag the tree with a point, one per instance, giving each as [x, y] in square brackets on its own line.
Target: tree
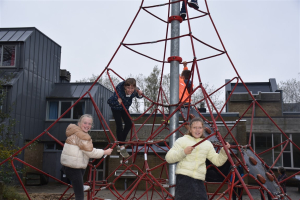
[152, 87]
[290, 94]
[9, 139]
[290, 90]
[166, 90]
[104, 80]
[215, 98]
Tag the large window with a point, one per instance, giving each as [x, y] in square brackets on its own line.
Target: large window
[289, 157]
[100, 171]
[56, 108]
[7, 55]
[52, 146]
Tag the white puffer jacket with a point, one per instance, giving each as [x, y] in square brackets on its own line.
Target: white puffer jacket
[78, 148]
[193, 165]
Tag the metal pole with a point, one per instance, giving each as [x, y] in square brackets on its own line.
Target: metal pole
[174, 89]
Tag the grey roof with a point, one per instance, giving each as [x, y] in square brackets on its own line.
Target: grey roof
[72, 90]
[19, 34]
[254, 87]
[14, 35]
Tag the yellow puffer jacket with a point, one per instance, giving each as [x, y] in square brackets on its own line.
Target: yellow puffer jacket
[193, 165]
[78, 148]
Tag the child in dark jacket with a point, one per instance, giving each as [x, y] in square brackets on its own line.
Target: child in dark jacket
[238, 190]
[126, 90]
[281, 177]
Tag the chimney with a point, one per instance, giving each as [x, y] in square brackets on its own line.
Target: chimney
[65, 76]
[202, 109]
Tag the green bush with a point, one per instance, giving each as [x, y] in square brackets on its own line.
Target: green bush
[11, 193]
[9, 139]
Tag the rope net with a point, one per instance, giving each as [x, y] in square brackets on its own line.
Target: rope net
[156, 186]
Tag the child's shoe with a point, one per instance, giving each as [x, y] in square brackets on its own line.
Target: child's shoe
[124, 152]
[182, 14]
[86, 188]
[193, 4]
[118, 148]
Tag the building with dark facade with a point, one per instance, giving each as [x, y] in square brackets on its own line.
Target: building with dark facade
[39, 92]
[265, 133]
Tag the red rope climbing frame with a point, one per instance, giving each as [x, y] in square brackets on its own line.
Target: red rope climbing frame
[158, 185]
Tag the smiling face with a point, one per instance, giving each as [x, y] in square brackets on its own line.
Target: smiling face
[197, 129]
[129, 89]
[85, 124]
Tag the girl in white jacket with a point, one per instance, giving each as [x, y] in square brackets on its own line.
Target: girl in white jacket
[77, 151]
[191, 168]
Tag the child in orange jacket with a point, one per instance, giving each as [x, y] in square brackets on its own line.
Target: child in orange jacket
[184, 82]
[185, 89]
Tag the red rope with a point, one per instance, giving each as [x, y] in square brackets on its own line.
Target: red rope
[158, 106]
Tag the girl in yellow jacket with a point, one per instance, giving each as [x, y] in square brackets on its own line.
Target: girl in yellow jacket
[77, 151]
[191, 168]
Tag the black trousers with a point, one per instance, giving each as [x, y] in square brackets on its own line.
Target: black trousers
[189, 188]
[262, 196]
[238, 190]
[122, 132]
[76, 178]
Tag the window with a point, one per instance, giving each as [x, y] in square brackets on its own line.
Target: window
[7, 55]
[64, 106]
[56, 108]
[289, 157]
[2, 97]
[52, 146]
[100, 170]
[295, 151]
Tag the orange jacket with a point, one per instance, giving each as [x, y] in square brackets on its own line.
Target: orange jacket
[182, 86]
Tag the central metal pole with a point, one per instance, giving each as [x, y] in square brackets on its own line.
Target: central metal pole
[174, 89]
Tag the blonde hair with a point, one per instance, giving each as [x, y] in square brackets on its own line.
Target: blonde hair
[88, 116]
[196, 119]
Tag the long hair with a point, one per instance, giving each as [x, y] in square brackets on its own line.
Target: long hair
[196, 119]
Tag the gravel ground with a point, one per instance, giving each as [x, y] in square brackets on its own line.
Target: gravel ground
[53, 191]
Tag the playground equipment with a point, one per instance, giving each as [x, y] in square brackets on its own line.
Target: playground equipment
[254, 167]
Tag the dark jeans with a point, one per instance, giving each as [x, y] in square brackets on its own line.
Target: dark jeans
[183, 6]
[238, 190]
[189, 188]
[262, 196]
[76, 178]
[119, 115]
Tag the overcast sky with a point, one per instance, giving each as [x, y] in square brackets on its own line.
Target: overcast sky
[261, 37]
